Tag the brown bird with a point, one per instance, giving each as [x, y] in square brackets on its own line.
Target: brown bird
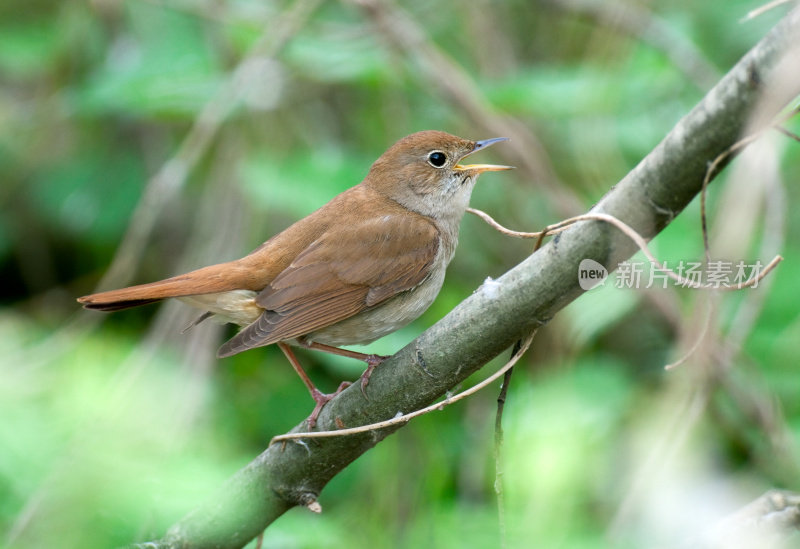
[364, 265]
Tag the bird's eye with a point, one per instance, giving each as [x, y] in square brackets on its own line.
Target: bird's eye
[437, 159]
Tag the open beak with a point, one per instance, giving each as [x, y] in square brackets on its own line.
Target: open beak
[480, 168]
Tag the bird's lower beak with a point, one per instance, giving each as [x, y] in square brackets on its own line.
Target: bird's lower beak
[480, 168]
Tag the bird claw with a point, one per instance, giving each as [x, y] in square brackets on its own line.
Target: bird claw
[322, 399]
[372, 361]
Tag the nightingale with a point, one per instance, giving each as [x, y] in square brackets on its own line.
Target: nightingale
[362, 266]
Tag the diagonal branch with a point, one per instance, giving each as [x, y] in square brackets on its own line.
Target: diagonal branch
[498, 314]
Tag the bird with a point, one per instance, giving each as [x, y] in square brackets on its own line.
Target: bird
[360, 267]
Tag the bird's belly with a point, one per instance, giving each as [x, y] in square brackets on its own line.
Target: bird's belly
[385, 318]
[236, 306]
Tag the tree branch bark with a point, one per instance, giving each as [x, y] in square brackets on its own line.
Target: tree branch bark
[498, 314]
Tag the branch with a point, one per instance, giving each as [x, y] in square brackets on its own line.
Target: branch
[498, 314]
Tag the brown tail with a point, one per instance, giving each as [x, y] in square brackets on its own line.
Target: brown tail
[114, 306]
[208, 280]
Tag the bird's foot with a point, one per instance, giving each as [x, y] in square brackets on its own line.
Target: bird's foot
[322, 399]
[372, 361]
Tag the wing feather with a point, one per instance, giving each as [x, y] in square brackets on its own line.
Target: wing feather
[341, 274]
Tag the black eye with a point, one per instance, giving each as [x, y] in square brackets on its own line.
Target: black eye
[437, 159]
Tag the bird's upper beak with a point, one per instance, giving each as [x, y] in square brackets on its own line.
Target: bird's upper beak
[480, 168]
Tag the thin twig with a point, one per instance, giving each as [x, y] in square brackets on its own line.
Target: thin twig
[699, 339]
[405, 418]
[749, 393]
[710, 171]
[508, 232]
[498, 448]
[498, 429]
[788, 133]
[772, 240]
[642, 244]
[761, 10]
[637, 239]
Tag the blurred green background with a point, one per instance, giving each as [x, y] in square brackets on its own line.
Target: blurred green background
[164, 135]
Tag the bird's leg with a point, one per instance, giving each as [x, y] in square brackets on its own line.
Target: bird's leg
[371, 360]
[319, 397]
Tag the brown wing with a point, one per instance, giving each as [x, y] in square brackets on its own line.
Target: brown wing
[345, 271]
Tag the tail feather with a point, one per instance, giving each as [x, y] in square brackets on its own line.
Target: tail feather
[208, 280]
[116, 305]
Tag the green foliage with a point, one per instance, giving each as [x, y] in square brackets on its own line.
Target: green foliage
[109, 435]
